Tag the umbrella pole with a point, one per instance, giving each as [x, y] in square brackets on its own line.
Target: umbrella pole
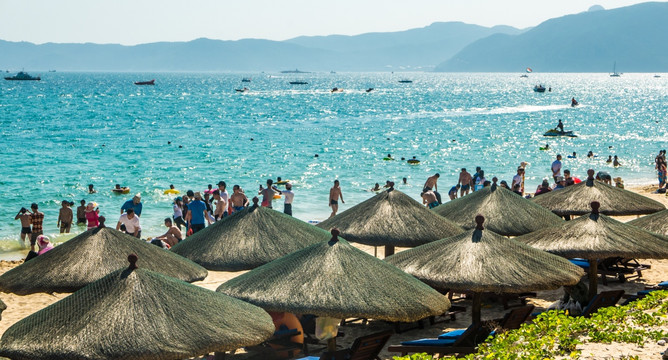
[475, 310]
[331, 345]
[593, 278]
[389, 250]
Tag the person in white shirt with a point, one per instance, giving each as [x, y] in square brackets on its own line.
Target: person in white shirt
[131, 222]
[289, 196]
[556, 168]
[224, 200]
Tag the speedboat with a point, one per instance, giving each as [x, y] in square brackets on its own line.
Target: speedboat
[657, 76]
[22, 76]
[298, 82]
[405, 81]
[246, 80]
[337, 90]
[369, 90]
[539, 88]
[150, 82]
[555, 132]
[524, 76]
[242, 90]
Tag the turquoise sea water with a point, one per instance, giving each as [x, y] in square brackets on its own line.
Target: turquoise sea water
[71, 129]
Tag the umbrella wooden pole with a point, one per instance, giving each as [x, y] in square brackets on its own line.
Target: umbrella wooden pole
[389, 250]
[593, 278]
[475, 310]
[331, 345]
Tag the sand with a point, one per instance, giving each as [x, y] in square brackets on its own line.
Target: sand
[19, 307]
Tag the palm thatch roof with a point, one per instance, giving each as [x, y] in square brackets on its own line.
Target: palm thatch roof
[3, 307]
[597, 236]
[575, 200]
[137, 314]
[248, 239]
[480, 260]
[89, 257]
[391, 218]
[335, 279]
[506, 213]
[656, 223]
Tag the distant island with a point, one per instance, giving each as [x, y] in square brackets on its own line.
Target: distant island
[295, 71]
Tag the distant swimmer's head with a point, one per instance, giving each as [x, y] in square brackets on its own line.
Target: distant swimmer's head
[278, 179]
[118, 186]
[171, 186]
[389, 155]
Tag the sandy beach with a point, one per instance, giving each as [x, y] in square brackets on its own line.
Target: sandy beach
[19, 307]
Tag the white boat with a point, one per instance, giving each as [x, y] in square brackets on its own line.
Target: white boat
[614, 71]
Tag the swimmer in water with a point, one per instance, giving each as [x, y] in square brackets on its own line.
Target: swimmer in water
[376, 187]
[90, 189]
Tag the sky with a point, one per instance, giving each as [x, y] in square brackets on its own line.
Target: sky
[131, 22]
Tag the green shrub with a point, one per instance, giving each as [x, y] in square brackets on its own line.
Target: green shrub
[554, 333]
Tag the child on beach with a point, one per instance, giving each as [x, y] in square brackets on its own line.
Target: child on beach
[65, 217]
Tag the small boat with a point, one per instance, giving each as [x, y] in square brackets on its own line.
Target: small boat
[405, 81]
[241, 90]
[657, 76]
[524, 76]
[614, 71]
[298, 82]
[122, 190]
[555, 132]
[332, 72]
[150, 82]
[246, 80]
[337, 90]
[539, 88]
[23, 76]
[295, 71]
[369, 89]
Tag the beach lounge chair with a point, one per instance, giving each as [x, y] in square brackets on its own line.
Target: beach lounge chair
[280, 345]
[621, 269]
[364, 348]
[642, 293]
[515, 318]
[601, 300]
[455, 342]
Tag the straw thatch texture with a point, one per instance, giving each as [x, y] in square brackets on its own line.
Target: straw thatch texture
[575, 200]
[89, 257]
[656, 223]
[391, 218]
[335, 279]
[482, 261]
[596, 236]
[248, 239]
[137, 314]
[3, 307]
[506, 213]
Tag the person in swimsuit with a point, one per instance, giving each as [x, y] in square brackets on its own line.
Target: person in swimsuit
[465, 180]
[268, 193]
[238, 199]
[81, 213]
[432, 184]
[91, 190]
[453, 192]
[334, 195]
[429, 198]
[65, 217]
[24, 216]
[173, 235]
[560, 125]
[37, 221]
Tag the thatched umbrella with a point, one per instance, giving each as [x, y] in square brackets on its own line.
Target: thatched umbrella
[335, 279]
[481, 261]
[248, 239]
[506, 213]
[137, 314]
[596, 236]
[575, 200]
[391, 218]
[656, 223]
[89, 257]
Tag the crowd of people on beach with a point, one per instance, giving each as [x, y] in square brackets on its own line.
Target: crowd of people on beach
[193, 211]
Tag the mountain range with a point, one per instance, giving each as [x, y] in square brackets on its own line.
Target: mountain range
[632, 36]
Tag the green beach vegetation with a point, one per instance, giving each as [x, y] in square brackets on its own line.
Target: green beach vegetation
[555, 334]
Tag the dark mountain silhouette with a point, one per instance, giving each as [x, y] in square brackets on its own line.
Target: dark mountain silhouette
[633, 36]
[411, 49]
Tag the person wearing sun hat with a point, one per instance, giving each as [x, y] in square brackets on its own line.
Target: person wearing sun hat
[134, 204]
[92, 215]
[44, 244]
